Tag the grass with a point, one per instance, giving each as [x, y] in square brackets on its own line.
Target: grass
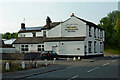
[113, 51]
[16, 65]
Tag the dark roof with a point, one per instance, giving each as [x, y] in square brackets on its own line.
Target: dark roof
[89, 23]
[51, 25]
[31, 29]
[37, 40]
[65, 39]
[38, 29]
[29, 40]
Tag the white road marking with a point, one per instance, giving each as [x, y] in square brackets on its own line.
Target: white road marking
[106, 64]
[73, 77]
[93, 69]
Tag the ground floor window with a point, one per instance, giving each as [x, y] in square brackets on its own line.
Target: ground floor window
[40, 47]
[90, 46]
[24, 48]
[85, 49]
[95, 49]
[101, 47]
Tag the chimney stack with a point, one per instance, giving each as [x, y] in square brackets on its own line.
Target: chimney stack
[48, 21]
[72, 15]
[22, 25]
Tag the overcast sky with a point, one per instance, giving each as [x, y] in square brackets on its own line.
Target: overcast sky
[35, 13]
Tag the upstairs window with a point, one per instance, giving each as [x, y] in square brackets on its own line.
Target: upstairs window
[101, 33]
[90, 46]
[95, 32]
[34, 34]
[98, 33]
[24, 35]
[44, 33]
[90, 35]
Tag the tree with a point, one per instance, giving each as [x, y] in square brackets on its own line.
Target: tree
[9, 35]
[111, 24]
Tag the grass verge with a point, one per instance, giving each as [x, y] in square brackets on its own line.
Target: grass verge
[113, 51]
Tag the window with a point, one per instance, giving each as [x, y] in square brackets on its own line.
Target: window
[22, 45]
[101, 34]
[44, 33]
[90, 46]
[95, 32]
[95, 47]
[24, 48]
[85, 50]
[101, 47]
[98, 33]
[40, 47]
[90, 31]
[34, 34]
[24, 35]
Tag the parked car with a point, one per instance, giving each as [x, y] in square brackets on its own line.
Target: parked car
[48, 55]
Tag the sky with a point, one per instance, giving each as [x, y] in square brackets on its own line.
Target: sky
[35, 12]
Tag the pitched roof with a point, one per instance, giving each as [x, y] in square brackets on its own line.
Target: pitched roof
[29, 40]
[51, 25]
[54, 24]
[38, 40]
[64, 39]
[38, 29]
[89, 23]
[31, 29]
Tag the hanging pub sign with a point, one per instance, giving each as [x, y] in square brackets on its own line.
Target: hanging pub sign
[71, 27]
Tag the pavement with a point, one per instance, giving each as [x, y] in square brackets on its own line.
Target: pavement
[26, 73]
[91, 69]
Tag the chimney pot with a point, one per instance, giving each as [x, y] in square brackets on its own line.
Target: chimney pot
[22, 25]
[72, 15]
[48, 21]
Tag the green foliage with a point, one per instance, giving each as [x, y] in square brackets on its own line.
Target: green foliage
[9, 35]
[114, 51]
[111, 24]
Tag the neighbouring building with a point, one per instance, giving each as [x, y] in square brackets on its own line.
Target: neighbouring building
[6, 48]
[72, 37]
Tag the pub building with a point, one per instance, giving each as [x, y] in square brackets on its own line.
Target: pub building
[72, 37]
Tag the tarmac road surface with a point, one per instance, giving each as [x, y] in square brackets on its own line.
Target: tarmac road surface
[105, 68]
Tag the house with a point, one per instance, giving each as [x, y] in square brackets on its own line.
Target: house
[72, 37]
[6, 48]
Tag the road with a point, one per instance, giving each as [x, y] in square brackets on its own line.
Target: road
[97, 68]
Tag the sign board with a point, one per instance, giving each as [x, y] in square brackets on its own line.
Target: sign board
[71, 27]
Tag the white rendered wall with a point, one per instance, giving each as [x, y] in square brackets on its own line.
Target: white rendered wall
[67, 47]
[62, 29]
[29, 34]
[31, 47]
[55, 32]
[93, 39]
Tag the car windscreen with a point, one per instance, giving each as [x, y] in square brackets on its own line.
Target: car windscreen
[45, 52]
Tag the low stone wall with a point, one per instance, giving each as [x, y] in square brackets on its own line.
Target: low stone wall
[20, 56]
[9, 50]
